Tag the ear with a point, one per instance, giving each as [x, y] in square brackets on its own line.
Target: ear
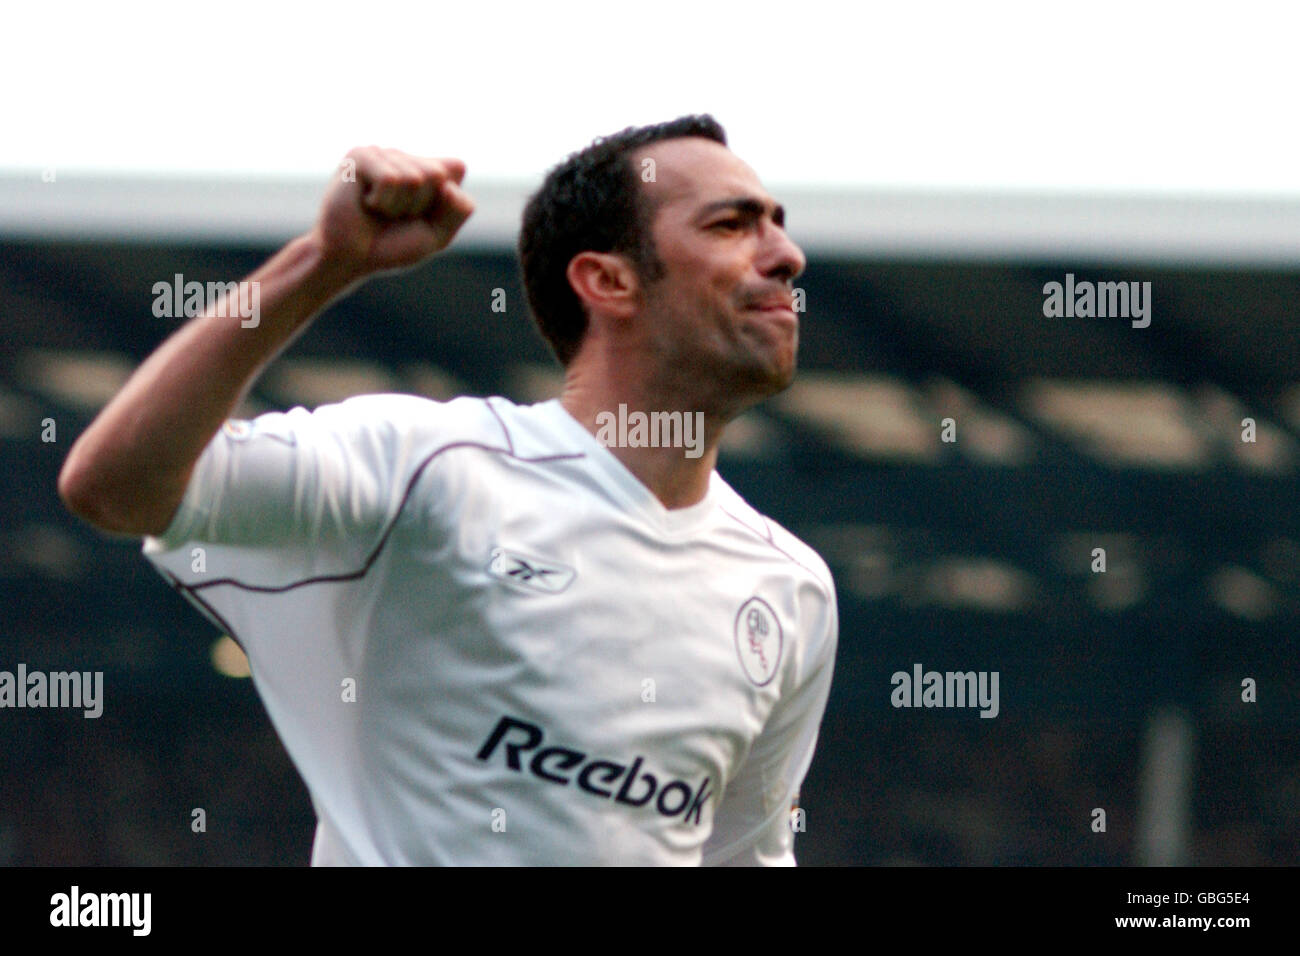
[606, 283]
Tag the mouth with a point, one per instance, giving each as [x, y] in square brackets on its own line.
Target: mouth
[784, 312]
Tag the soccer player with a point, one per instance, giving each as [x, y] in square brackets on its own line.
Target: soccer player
[491, 633]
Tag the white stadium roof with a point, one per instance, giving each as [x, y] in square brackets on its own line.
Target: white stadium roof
[990, 225]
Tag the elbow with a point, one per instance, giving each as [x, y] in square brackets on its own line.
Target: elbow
[85, 495]
[74, 490]
[79, 496]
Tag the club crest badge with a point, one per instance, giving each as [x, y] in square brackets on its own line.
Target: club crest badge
[759, 641]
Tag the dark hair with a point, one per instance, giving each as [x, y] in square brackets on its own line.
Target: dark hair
[592, 202]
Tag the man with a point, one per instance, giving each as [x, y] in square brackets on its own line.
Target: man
[484, 633]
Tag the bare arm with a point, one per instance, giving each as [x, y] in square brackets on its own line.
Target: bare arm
[128, 471]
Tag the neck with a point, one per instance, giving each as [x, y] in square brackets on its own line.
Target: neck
[632, 421]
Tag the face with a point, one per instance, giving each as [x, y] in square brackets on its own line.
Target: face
[723, 308]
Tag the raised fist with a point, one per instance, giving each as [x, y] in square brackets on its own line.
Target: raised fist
[390, 210]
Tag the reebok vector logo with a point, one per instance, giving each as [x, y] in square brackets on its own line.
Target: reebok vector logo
[529, 573]
[596, 775]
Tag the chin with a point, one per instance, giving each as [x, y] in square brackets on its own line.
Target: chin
[783, 381]
[768, 380]
[749, 377]
[785, 363]
[784, 367]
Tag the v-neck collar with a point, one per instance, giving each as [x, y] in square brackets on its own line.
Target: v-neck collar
[676, 522]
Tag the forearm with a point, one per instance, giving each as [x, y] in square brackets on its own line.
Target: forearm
[128, 471]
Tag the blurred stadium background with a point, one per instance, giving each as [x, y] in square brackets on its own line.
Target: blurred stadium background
[1119, 690]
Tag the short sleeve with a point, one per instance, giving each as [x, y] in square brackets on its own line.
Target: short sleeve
[290, 495]
[279, 525]
[752, 824]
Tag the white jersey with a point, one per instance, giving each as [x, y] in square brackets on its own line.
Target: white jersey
[483, 641]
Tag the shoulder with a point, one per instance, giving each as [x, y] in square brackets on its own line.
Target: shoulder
[413, 435]
[414, 413]
[412, 421]
[776, 535]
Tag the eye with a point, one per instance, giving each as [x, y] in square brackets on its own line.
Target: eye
[727, 224]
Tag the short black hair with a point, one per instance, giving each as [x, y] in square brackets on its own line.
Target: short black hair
[592, 202]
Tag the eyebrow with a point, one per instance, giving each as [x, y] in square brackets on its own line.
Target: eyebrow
[747, 206]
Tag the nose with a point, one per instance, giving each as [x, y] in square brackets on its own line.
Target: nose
[780, 257]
